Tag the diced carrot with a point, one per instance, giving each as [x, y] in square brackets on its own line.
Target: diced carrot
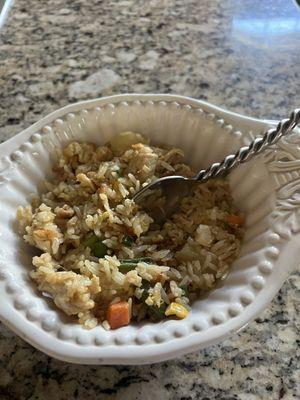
[235, 220]
[118, 314]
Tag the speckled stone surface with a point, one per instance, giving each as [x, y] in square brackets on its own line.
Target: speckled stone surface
[242, 55]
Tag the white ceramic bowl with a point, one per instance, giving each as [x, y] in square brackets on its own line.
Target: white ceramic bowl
[266, 190]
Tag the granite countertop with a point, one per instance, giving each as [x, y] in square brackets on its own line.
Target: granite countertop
[242, 55]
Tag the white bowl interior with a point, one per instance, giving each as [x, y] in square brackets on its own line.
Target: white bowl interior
[205, 138]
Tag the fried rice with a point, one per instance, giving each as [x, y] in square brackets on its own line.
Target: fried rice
[102, 259]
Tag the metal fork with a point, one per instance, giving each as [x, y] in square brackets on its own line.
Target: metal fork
[161, 198]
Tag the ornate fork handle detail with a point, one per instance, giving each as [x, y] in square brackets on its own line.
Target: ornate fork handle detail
[254, 148]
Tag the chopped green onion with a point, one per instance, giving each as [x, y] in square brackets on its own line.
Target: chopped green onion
[158, 312]
[131, 263]
[226, 225]
[98, 248]
[185, 289]
[127, 240]
[127, 266]
[90, 241]
[136, 260]
[146, 286]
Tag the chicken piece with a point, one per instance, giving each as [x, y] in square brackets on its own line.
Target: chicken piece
[82, 152]
[174, 156]
[85, 181]
[183, 170]
[43, 231]
[143, 162]
[124, 140]
[102, 153]
[71, 292]
[64, 212]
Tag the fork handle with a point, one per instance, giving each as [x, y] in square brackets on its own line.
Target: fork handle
[255, 147]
